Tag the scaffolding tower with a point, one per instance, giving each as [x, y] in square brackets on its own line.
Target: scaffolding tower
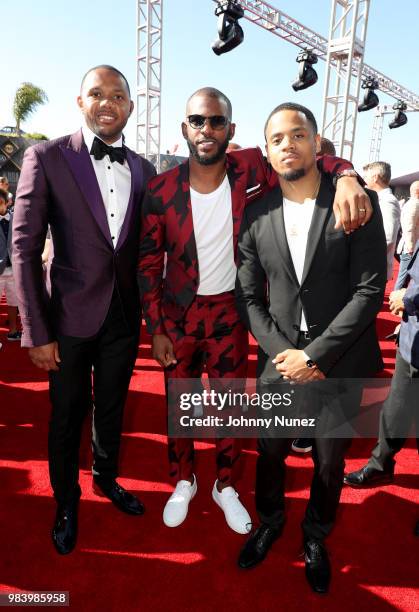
[343, 52]
[149, 73]
[344, 64]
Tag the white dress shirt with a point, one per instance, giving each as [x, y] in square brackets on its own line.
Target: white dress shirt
[114, 180]
[409, 221]
[213, 229]
[297, 220]
[390, 210]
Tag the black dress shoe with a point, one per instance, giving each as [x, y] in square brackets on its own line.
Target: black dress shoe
[368, 477]
[317, 566]
[64, 532]
[258, 545]
[120, 497]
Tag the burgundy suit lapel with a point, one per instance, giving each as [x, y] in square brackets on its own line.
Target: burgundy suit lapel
[183, 208]
[238, 182]
[134, 198]
[81, 166]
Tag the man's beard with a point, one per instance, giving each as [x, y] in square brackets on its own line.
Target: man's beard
[292, 175]
[208, 161]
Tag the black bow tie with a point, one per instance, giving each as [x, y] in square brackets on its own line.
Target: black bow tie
[100, 149]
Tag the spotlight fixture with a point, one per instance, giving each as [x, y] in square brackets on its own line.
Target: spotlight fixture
[400, 117]
[370, 97]
[230, 33]
[307, 76]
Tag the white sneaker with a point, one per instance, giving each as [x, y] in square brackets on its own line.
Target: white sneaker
[176, 508]
[237, 517]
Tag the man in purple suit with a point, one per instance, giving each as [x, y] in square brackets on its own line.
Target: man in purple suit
[87, 188]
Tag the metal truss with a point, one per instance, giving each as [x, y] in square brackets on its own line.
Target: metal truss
[344, 47]
[347, 35]
[149, 70]
[377, 129]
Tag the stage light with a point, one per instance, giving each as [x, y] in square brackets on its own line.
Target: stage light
[230, 33]
[307, 76]
[370, 97]
[399, 117]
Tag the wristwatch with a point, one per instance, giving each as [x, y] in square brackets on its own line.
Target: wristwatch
[348, 172]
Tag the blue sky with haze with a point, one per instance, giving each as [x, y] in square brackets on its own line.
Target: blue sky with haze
[53, 43]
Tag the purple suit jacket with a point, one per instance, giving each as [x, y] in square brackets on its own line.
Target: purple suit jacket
[58, 188]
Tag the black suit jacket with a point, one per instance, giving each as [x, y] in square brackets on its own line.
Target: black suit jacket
[341, 291]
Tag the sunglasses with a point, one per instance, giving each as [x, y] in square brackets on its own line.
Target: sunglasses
[217, 122]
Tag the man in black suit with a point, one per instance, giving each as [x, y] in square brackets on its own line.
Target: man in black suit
[310, 295]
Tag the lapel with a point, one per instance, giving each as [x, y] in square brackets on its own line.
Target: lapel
[3, 243]
[78, 158]
[136, 169]
[321, 213]
[238, 195]
[9, 235]
[276, 215]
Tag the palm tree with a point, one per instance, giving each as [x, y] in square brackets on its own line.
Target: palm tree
[28, 96]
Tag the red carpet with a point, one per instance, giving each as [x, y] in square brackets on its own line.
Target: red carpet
[136, 563]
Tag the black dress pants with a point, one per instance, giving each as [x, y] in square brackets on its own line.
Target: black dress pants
[94, 372]
[329, 463]
[400, 410]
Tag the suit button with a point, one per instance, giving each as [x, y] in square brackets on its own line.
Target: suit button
[305, 290]
[296, 327]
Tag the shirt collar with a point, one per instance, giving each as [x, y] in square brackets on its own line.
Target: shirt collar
[89, 136]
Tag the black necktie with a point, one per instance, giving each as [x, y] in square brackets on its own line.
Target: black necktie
[100, 149]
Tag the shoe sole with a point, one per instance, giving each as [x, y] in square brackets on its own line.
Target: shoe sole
[97, 491]
[187, 510]
[63, 552]
[369, 485]
[302, 451]
[232, 528]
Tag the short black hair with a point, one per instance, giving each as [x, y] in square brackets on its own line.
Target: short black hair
[4, 195]
[299, 108]
[106, 67]
[212, 92]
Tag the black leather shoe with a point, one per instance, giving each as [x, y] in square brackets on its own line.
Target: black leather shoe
[258, 545]
[120, 497]
[64, 532]
[368, 477]
[317, 566]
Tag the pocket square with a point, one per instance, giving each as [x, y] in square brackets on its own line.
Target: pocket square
[250, 190]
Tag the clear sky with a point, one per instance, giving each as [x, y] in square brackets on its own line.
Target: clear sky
[53, 42]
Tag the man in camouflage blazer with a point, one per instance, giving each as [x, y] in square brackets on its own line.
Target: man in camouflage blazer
[192, 215]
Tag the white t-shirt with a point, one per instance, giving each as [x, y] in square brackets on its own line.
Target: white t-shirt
[297, 220]
[213, 229]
